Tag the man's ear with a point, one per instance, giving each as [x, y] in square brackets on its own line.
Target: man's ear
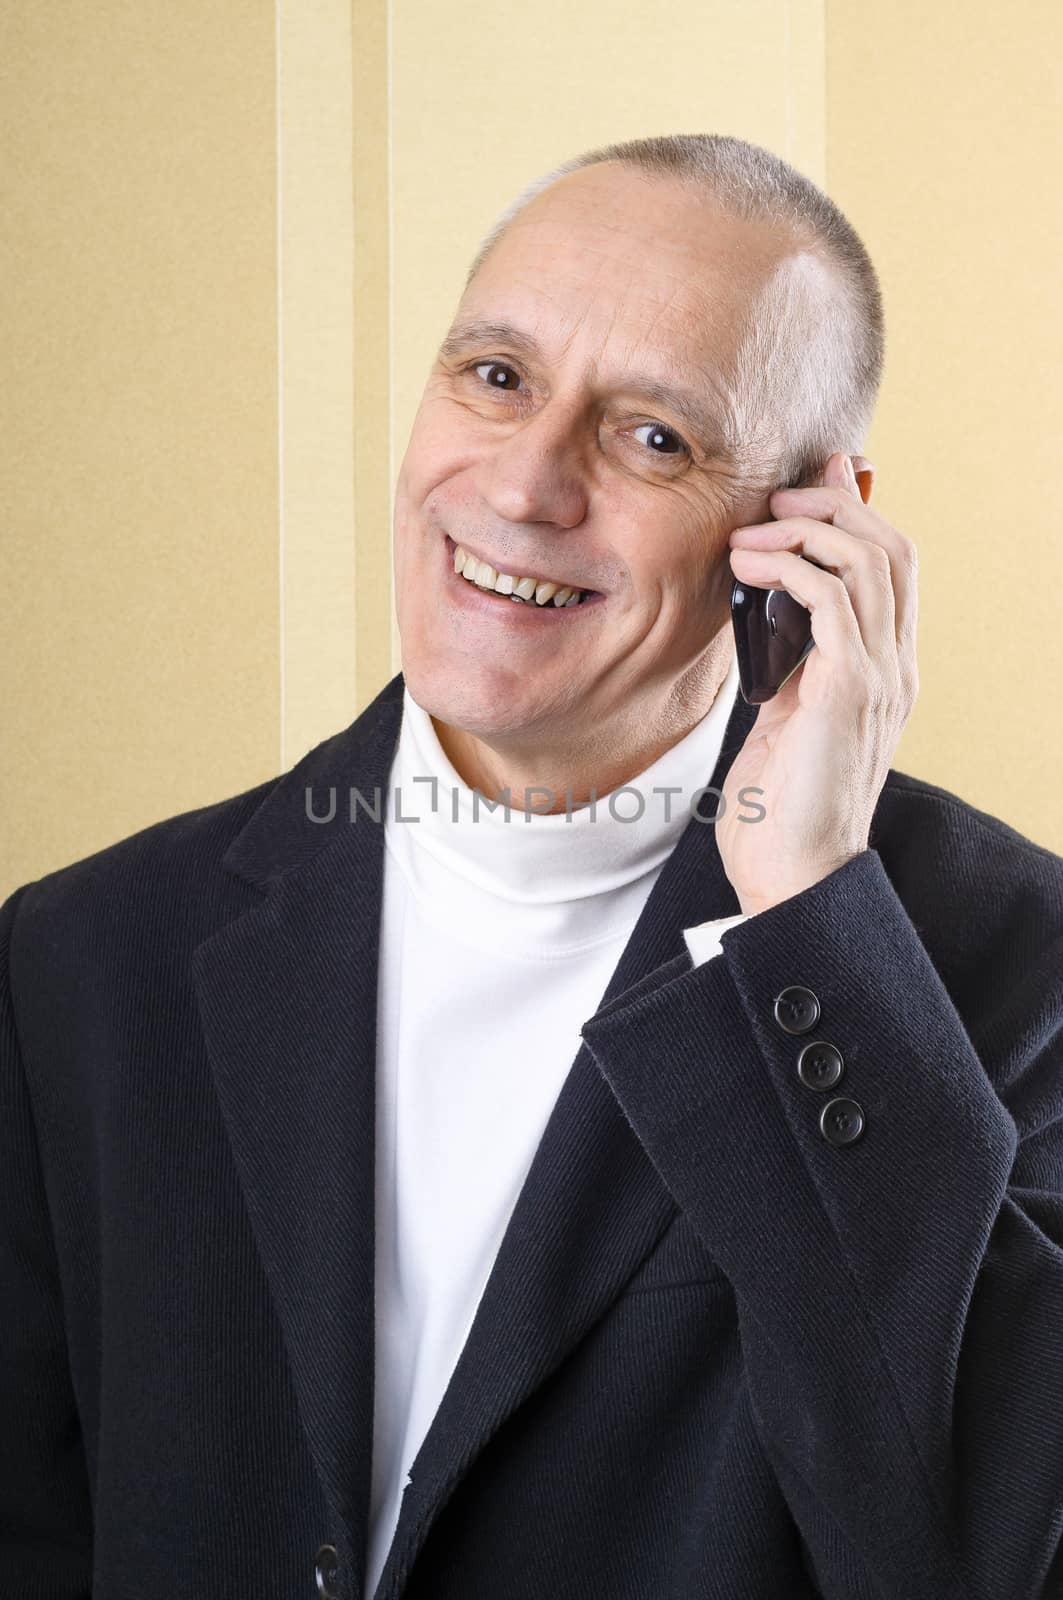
[865, 476]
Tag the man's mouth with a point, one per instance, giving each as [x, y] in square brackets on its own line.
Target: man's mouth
[535, 592]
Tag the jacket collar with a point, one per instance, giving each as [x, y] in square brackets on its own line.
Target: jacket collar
[287, 994]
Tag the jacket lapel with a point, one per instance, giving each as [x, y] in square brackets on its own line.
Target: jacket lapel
[590, 1210]
[287, 993]
[287, 997]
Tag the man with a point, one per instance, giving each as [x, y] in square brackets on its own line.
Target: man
[495, 1192]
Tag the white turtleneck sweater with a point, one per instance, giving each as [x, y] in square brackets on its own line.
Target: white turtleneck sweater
[498, 938]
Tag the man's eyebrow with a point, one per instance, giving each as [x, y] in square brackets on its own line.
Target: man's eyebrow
[685, 403]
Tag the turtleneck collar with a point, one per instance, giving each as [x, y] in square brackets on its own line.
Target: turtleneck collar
[546, 884]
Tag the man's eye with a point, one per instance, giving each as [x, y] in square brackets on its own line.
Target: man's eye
[662, 441]
[498, 371]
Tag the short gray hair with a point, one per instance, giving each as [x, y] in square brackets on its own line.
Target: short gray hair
[824, 402]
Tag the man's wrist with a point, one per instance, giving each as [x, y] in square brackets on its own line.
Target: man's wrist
[752, 904]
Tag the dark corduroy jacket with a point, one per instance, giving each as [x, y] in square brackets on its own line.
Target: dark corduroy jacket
[727, 1350]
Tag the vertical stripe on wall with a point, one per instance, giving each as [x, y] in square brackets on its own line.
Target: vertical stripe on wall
[318, 617]
[373, 313]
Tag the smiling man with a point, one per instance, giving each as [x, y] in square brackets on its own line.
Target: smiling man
[626, 381]
[469, 1165]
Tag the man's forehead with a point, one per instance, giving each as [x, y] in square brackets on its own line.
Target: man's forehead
[618, 229]
[671, 310]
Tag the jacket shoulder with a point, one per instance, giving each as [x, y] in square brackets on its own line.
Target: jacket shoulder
[169, 882]
[986, 900]
[924, 820]
[167, 870]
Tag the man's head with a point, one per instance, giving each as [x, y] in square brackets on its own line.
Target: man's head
[651, 339]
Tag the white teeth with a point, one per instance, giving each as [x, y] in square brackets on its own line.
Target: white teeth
[541, 592]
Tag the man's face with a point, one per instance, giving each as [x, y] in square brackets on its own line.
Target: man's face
[546, 452]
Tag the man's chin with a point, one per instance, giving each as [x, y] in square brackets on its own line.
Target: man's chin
[483, 702]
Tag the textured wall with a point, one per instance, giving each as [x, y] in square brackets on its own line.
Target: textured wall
[236, 235]
[945, 146]
[138, 418]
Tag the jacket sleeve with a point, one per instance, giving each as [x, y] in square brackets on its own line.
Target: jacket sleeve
[895, 1240]
[45, 1509]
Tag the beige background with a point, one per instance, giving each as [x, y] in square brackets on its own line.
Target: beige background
[235, 235]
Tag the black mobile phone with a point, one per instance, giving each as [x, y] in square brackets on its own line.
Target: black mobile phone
[773, 635]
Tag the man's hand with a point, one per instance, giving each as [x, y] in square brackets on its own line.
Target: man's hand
[821, 747]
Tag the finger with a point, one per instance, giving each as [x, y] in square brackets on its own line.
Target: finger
[822, 593]
[840, 473]
[862, 566]
[843, 509]
[841, 470]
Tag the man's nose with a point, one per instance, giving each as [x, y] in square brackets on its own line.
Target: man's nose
[538, 472]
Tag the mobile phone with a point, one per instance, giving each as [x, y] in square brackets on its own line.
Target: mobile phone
[773, 635]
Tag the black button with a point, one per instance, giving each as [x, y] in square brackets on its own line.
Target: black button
[325, 1570]
[820, 1065]
[841, 1121]
[796, 1010]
